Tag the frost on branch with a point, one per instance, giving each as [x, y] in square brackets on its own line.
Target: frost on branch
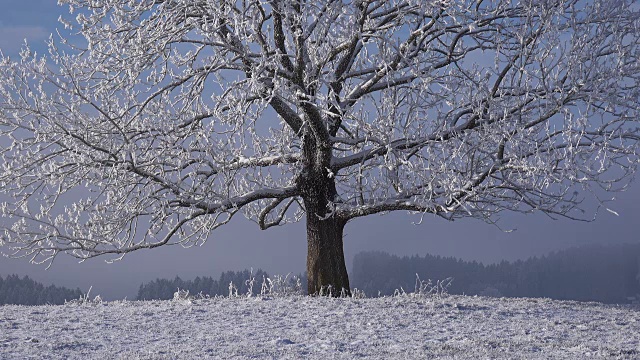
[172, 116]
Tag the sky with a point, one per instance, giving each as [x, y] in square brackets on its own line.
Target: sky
[281, 250]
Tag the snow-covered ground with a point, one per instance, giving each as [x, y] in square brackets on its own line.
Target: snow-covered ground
[403, 327]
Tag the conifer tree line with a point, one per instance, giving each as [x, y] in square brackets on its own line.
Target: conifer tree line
[609, 274]
[25, 291]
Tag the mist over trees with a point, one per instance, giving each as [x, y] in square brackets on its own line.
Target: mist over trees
[607, 274]
[25, 291]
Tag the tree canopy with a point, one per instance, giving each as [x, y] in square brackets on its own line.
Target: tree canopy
[156, 121]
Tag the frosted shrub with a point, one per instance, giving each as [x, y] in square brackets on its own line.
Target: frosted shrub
[233, 290]
[344, 293]
[428, 288]
[276, 286]
[182, 296]
[326, 291]
[358, 294]
[84, 299]
[281, 286]
[250, 282]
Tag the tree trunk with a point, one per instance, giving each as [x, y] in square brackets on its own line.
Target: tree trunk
[326, 268]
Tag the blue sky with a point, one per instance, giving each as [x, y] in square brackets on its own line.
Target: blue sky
[32, 19]
[242, 245]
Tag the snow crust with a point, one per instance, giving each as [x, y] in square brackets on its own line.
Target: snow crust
[296, 327]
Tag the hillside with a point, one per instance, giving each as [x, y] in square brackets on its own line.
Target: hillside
[296, 327]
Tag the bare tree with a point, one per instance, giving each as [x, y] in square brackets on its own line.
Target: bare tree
[156, 121]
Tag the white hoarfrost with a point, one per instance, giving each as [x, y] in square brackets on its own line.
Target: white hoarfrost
[297, 327]
[155, 122]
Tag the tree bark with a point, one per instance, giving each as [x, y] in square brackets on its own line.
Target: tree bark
[326, 268]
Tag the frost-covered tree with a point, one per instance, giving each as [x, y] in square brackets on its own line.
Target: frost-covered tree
[156, 121]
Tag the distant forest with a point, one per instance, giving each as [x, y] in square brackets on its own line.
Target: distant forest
[24, 291]
[609, 274]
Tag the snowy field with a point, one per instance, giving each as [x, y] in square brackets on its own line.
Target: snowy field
[403, 327]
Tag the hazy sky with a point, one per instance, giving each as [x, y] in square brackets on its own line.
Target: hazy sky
[241, 244]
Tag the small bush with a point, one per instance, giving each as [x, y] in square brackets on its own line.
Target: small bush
[85, 300]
